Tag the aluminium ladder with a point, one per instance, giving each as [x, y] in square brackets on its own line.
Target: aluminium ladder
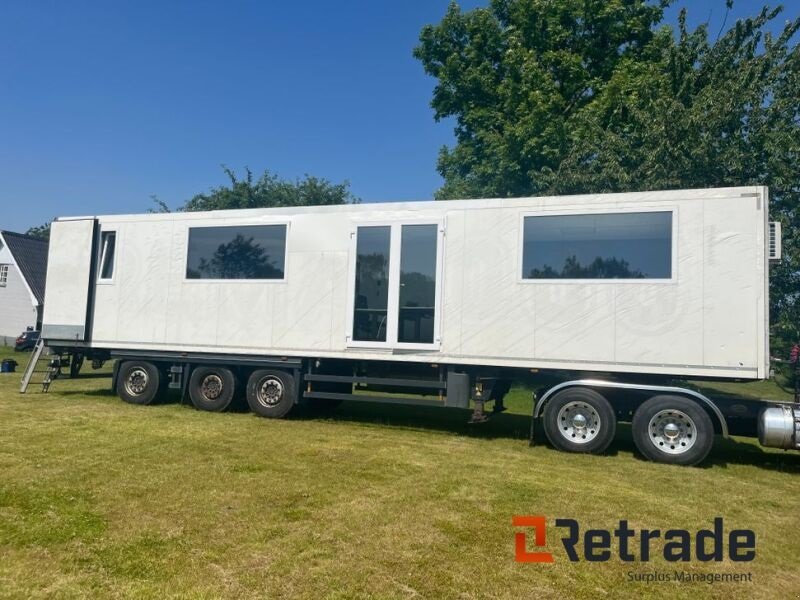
[40, 354]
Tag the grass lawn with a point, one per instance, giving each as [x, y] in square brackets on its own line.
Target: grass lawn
[100, 498]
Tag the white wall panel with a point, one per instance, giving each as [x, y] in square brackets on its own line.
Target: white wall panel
[68, 274]
[732, 281]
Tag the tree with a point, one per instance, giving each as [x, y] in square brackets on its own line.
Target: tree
[268, 191]
[41, 232]
[586, 96]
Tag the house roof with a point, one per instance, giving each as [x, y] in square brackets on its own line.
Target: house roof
[30, 254]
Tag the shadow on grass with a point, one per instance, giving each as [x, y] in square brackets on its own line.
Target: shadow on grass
[104, 392]
[517, 426]
[89, 376]
[503, 425]
[724, 452]
[741, 453]
[450, 420]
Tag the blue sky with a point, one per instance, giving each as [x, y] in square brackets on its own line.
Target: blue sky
[104, 103]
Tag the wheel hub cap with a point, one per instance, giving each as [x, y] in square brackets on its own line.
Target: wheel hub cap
[672, 431]
[270, 391]
[578, 422]
[212, 387]
[136, 382]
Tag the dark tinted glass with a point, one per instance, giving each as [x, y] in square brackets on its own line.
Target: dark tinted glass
[603, 246]
[372, 284]
[417, 284]
[108, 242]
[245, 252]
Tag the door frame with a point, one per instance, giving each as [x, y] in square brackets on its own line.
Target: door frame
[393, 304]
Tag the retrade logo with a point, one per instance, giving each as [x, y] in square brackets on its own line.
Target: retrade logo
[629, 544]
[540, 540]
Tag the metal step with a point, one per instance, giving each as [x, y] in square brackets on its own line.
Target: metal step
[30, 369]
[40, 353]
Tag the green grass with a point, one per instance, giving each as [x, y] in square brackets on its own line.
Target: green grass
[100, 498]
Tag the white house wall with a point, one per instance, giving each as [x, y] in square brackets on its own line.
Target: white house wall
[17, 308]
[710, 320]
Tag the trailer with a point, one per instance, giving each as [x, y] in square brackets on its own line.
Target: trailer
[617, 295]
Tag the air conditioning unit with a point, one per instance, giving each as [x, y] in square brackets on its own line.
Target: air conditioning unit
[774, 245]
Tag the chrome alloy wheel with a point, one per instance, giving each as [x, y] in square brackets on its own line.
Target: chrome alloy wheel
[211, 387]
[136, 381]
[578, 422]
[270, 391]
[672, 431]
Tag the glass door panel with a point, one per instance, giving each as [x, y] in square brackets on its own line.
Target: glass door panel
[371, 306]
[417, 290]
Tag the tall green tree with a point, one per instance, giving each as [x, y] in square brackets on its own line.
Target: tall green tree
[268, 190]
[583, 96]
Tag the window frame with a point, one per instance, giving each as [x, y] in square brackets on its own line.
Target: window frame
[185, 262]
[101, 254]
[584, 211]
[393, 305]
[4, 269]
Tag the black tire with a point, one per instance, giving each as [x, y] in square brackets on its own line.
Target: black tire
[579, 420]
[139, 382]
[271, 393]
[75, 364]
[687, 443]
[212, 388]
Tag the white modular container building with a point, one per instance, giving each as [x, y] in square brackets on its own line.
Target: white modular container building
[657, 282]
[305, 303]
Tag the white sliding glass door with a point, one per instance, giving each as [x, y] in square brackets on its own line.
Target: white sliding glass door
[396, 288]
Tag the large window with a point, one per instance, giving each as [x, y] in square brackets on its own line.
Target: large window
[601, 246]
[240, 252]
[108, 246]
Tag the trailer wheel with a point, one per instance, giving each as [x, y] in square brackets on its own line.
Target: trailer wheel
[673, 430]
[212, 388]
[270, 393]
[579, 420]
[138, 382]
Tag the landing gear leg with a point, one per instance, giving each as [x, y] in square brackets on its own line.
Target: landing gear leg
[488, 390]
[478, 414]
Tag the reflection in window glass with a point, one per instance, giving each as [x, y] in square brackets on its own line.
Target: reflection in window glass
[417, 284]
[372, 284]
[602, 246]
[243, 252]
[108, 242]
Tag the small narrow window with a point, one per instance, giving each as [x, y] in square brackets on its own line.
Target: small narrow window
[598, 246]
[3, 275]
[108, 242]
